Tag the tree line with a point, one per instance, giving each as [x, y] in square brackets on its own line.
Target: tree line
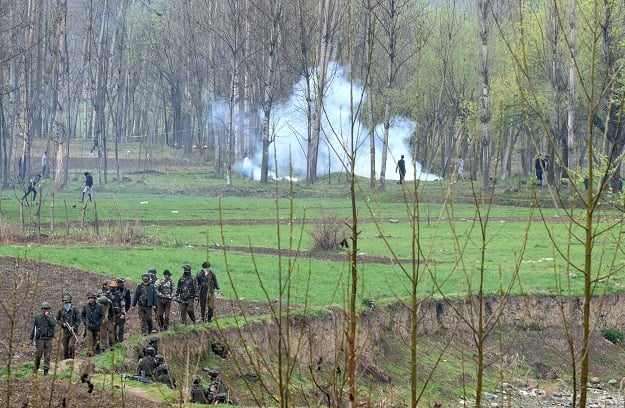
[494, 84]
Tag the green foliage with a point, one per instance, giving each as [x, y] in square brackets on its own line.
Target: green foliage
[613, 335]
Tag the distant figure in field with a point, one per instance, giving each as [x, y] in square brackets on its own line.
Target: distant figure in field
[460, 170]
[44, 163]
[31, 186]
[539, 166]
[247, 172]
[88, 186]
[401, 167]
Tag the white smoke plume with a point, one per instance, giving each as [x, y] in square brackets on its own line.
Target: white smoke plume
[289, 126]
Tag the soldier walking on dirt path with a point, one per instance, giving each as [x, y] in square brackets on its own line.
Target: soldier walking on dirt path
[92, 316]
[42, 335]
[69, 319]
[187, 293]
[127, 301]
[165, 292]
[209, 286]
[145, 297]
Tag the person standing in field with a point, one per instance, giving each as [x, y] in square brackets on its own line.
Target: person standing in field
[202, 278]
[88, 186]
[42, 336]
[212, 289]
[165, 293]
[145, 297]
[119, 303]
[121, 321]
[460, 169]
[539, 166]
[69, 319]
[401, 168]
[44, 163]
[92, 316]
[187, 294]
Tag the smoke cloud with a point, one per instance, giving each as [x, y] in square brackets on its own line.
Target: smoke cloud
[289, 125]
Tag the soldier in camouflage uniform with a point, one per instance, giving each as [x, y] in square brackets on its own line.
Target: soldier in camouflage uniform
[42, 335]
[165, 292]
[68, 318]
[121, 321]
[187, 293]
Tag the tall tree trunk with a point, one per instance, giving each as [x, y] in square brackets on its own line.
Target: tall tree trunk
[484, 7]
[61, 76]
[569, 147]
[327, 15]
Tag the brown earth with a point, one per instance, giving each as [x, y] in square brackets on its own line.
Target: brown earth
[25, 284]
[532, 339]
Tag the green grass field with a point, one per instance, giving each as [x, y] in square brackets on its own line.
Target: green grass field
[173, 217]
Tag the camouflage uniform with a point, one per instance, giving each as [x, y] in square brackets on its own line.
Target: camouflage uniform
[165, 292]
[68, 318]
[42, 335]
[187, 292]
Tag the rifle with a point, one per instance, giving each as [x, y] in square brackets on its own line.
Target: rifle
[145, 380]
[71, 330]
[182, 302]
[35, 337]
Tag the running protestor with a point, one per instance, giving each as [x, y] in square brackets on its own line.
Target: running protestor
[88, 186]
[32, 184]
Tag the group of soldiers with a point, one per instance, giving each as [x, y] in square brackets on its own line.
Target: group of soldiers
[156, 295]
[151, 365]
[104, 315]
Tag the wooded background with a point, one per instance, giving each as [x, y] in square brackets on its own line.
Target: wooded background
[492, 81]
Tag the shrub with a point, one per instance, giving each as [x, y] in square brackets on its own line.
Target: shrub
[613, 335]
[328, 233]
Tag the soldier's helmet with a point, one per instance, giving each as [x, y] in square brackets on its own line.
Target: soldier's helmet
[150, 351]
[103, 300]
[120, 281]
[159, 358]
[164, 367]
[153, 340]
[91, 295]
[67, 298]
[213, 373]
[45, 305]
[196, 379]
[145, 275]
[113, 284]
[186, 267]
